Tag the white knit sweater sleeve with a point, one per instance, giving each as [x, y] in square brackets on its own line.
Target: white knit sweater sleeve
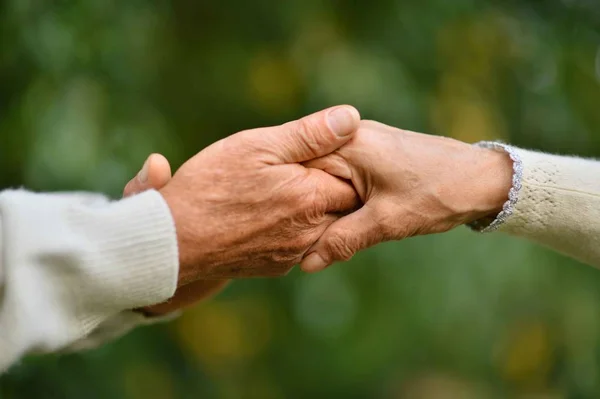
[559, 205]
[73, 265]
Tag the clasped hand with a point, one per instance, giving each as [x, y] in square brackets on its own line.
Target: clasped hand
[315, 191]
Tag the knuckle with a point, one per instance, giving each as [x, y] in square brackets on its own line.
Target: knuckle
[313, 198]
[385, 222]
[394, 228]
[305, 242]
[294, 242]
[310, 204]
[309, 132]
[301, 204]
[304, 126]
[290, 245]
[313, 217]
[388, 220]
[391, 230]
[297, 246]
[339, 247]
[313, 212]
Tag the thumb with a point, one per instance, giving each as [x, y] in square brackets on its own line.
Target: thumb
[342, 239]
[155, 174]
[311, 137]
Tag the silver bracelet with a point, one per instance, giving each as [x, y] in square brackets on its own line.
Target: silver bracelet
[482, 225]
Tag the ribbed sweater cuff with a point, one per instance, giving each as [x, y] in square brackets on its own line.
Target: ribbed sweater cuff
[94, 257]
[140, 239]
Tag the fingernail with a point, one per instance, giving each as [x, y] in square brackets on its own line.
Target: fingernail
[342, 121]
[313, 263]
[143, 175]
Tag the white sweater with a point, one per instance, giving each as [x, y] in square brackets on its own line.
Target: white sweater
[73, 265]
[559, 205]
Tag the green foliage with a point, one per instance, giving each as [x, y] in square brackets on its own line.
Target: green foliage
[88, 89]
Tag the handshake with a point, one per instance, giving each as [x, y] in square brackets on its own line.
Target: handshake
[312, 192]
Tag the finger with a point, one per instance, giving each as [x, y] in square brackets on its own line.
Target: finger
[155, 173]
[333, 164]
[342, 239]
[311, 137]
[334, 194]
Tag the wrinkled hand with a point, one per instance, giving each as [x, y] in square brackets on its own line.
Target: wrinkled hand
[411, 184]
[155, 174]
[245, 207]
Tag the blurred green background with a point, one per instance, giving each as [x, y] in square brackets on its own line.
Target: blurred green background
[88, 89]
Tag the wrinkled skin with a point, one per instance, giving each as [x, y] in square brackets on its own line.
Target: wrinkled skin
[246, 207]
[156, 174]
[411, 184]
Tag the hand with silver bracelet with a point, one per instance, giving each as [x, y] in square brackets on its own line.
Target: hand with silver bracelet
[411, 184]
[414, 184]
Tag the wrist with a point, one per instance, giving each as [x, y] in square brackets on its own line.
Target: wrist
[188, 254]
[491, 184]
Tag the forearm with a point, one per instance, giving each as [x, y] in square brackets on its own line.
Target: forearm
[73, 262]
